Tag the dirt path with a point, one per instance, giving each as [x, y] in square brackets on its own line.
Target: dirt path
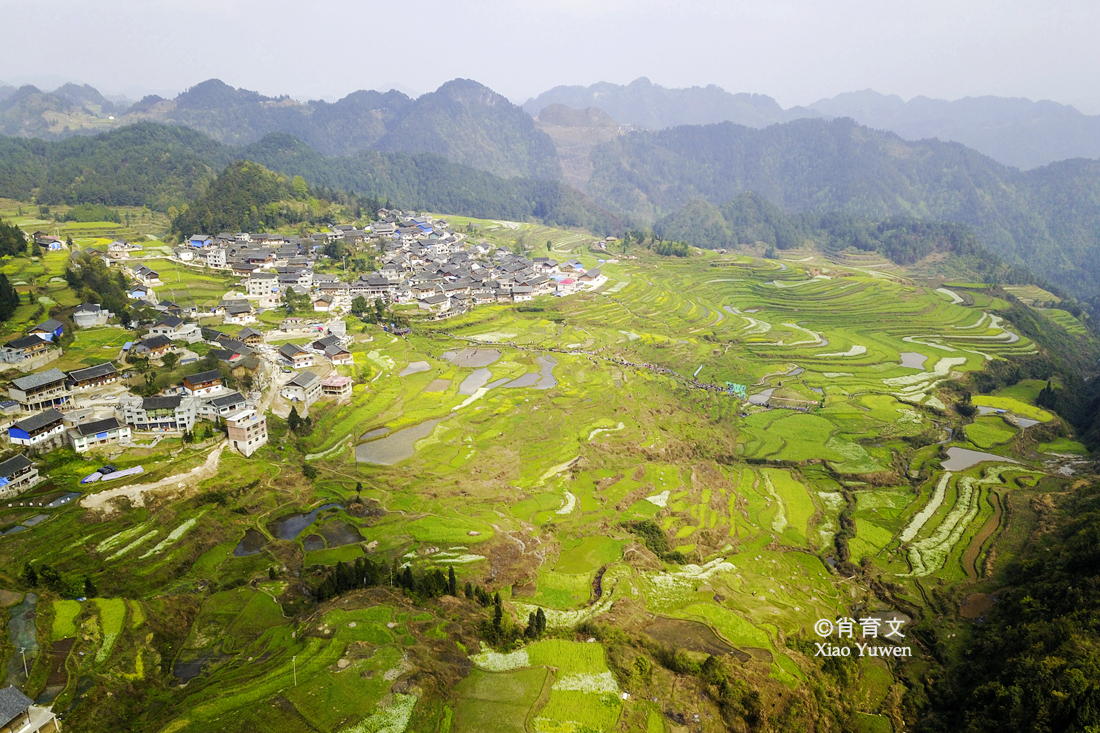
[136, 493]
[970, 557]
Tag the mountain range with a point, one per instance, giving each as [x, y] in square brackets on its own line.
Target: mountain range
[1012, 131]
[464, 149]
[463, 121]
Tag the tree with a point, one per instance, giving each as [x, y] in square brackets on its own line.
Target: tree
[29, 575]
[170, 360]
[549, 245]
[89, 588]
[36, 250]
[301, 188]
[9, 298]
[359, 306]
[498, 615]
[407, 578]
[309, 472]
[452, 583]
[294, 420]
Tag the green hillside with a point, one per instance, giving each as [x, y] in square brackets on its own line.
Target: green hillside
[1045, 219]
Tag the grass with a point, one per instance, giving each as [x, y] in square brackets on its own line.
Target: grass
[1064, 445]
[1002, 402]
[112, 615]
[498, 702]
[986, 432]
[588, 554]
[64, 619]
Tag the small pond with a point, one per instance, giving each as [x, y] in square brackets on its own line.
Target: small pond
[960, 459]
[415, 368]
[292, 525]
[472, 357]
[479, 378]
[251, 544]
[396, 447]
[913, 360]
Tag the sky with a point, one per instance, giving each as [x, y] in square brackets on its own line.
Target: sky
[797, 51]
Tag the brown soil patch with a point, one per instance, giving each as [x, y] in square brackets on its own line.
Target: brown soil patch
[59, 652]
[9, 598]
[976, 605]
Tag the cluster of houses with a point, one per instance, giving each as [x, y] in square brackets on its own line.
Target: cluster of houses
[47, 414]
[422, 261]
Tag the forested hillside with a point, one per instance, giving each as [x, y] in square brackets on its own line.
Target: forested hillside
[1045, 219]
[751, 220]
[162, 166]
[1033, 665]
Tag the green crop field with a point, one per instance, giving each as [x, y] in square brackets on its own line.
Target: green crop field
[619, 486]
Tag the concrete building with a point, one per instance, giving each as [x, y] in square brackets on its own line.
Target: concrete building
[90, 315]
[176, 413]
[304, 388]
[48, 330]
[223, 405]
[98, 433]
[247, 431]
[40, 390]
[17, 474]
[46, 429]
[23, 348]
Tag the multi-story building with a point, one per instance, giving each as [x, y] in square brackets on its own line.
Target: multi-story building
[40, 390]
[336, 387]
[17, 474]
[47, 428]
[260, 284]
[304, 388]
[176, 413]
[23, 348]
[98, 433]
[247, 430]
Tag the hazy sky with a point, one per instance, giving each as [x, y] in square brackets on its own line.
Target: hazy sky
[794, 50]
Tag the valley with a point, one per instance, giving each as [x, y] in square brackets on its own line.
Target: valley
[680, 472]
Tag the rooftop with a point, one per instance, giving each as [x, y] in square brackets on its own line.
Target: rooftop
[93, 372]
[39, 379]
[13, 703]
[203, 377]
[98, 426]
[39, 421]
[305, 379]
[15, 464]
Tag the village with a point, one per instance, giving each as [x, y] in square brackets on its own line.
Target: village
[249, 365]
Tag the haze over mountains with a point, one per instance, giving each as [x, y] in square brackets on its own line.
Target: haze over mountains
[585, 161]
[1016, 132]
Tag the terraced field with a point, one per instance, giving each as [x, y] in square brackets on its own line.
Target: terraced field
[539, 452]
